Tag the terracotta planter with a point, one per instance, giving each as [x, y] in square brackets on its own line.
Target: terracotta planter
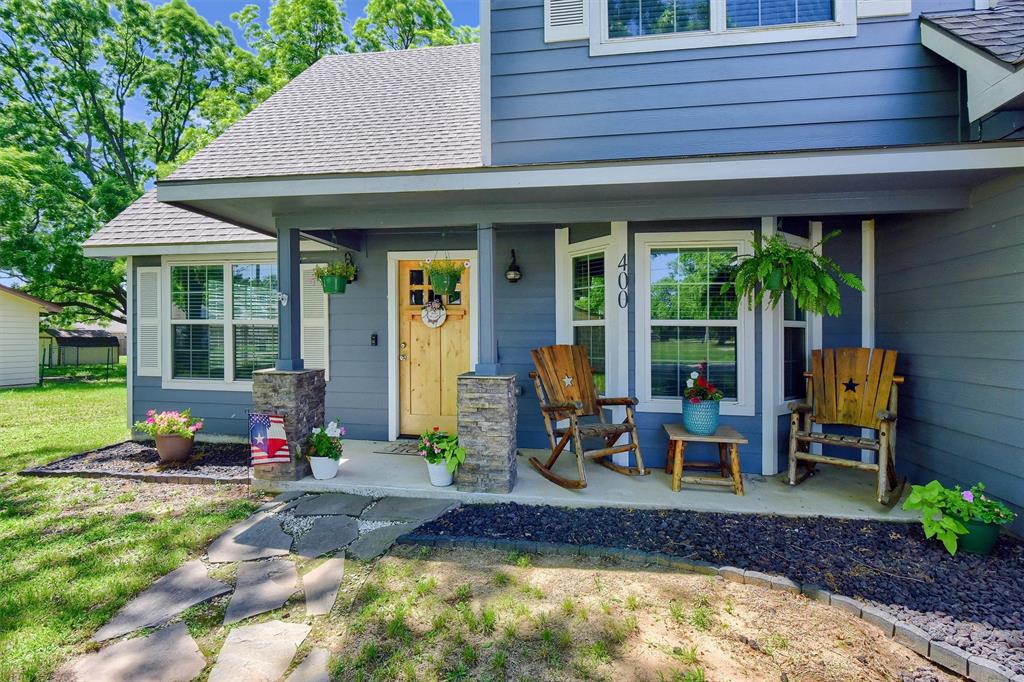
[174, 448]
[333, 285]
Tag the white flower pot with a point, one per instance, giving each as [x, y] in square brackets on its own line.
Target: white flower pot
[439, 474]
[323, 467]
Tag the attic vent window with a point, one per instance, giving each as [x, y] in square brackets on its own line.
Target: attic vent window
[566, 12]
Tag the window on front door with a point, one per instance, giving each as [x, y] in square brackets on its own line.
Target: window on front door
[588, 311]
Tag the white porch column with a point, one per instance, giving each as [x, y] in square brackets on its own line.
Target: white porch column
[867, 305]
[770, 389]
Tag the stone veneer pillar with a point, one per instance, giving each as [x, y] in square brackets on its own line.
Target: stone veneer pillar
[298, 396]
[488, 417]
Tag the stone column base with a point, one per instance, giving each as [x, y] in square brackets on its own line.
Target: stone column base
[298, 396]
[488, 417]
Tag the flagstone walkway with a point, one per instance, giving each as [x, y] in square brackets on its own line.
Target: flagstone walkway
[264, 547]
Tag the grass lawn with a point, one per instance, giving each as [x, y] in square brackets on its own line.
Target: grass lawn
[72, 551]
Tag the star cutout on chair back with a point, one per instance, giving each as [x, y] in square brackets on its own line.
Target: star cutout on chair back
[567, 380]
[851, 385]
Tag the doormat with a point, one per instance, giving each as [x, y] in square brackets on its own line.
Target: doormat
[401, 447]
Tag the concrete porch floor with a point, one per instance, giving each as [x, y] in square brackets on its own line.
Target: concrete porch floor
[832, 491]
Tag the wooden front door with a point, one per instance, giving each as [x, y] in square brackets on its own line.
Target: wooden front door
[429, 359]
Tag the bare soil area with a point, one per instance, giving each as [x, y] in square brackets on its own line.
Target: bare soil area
[457, 614]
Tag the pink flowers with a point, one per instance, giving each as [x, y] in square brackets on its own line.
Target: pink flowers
[968, 496]
[170, 423]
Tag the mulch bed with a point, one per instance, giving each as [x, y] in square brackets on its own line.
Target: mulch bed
[210, 463]
[973, 602]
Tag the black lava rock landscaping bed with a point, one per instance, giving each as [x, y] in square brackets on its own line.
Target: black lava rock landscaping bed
[210, 463]
[972, 602]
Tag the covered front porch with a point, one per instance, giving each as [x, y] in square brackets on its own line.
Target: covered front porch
[367, 469]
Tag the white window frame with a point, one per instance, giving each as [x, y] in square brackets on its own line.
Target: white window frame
[228, 383]
[843, 26]
[811, 326]
[746, 382]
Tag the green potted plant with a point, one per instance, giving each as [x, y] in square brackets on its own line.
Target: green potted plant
[701, 404]
[174, 433]
[776, 266]
[335, 276]
[323, 450]
[960, 519]
[443, 455]
[444, 274]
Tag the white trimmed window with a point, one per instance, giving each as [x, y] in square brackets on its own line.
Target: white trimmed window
[686, 318]
[795, 349]
[648, 25]
[588, 311]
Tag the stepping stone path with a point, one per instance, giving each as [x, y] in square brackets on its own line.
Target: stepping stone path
[321, 524]
[375, 542]
[261, 587]
[321, 586]
[167, 655]
[332, 504]
[258, 653]
[258, 537]
[407, 509]
[313, 667]
[183, 587]
[328, 534]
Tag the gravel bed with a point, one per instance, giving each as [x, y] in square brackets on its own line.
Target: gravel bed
[975, 603]
[212, 461]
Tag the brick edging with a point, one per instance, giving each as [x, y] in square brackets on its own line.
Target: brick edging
[941, 653]
[193, 479]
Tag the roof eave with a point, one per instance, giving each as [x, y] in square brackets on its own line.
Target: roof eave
[991, 82]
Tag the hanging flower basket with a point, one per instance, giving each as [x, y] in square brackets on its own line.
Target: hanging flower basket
[444, 275]
[334, 277]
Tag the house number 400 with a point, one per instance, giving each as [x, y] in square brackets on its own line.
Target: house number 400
[623, 282]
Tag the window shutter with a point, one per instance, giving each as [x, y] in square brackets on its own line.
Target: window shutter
[565, 20]
[315, 323]
[147, 322]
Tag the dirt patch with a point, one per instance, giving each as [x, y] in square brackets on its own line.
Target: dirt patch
[118, 496]
[482, 614]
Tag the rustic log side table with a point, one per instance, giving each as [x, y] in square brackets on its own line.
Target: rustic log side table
[728, 466]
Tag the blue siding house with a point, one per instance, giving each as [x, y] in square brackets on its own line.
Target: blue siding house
[599, 140]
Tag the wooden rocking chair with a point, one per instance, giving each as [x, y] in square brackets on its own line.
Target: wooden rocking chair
[564, 382]
[852, 387]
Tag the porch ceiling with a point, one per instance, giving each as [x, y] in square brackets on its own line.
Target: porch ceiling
[873, 181]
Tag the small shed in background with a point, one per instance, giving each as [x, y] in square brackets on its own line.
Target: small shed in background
[73, 347]
[19, 333]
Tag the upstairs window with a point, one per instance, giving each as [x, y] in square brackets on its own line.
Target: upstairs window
[635, 18]
[625, 26]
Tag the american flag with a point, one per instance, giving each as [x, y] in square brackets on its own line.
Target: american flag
[267, 440]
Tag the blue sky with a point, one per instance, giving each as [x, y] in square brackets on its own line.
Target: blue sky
[464, 11]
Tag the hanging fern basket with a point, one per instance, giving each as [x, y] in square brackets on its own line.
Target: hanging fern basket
[444, 283]
[773, 282]
[333, 284]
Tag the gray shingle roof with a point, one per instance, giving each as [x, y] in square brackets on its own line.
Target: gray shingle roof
[999, 31]
[147, 221]
[385, 111]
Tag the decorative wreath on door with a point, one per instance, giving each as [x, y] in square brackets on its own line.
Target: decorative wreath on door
[434, 314]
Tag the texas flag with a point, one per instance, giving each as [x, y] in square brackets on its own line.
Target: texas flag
[267, 439]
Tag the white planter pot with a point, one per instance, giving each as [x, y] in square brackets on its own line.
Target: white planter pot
[323, 467]
[439, 474]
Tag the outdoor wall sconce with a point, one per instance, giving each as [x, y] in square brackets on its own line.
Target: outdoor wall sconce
[513, 274]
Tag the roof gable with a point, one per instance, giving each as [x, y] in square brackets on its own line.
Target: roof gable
[28, 298]
[998, 31]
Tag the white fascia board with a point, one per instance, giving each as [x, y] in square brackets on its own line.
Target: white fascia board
[178, 249]
[839, 163]
[990, 82]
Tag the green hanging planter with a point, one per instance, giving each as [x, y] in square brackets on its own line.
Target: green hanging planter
[333, 284]
[443, 283]
[773, 282]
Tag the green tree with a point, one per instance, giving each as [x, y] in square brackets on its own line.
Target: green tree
[404, 24]
[71, 72]
[298, 33]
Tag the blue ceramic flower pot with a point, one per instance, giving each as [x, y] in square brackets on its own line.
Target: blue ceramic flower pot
[701, 418]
